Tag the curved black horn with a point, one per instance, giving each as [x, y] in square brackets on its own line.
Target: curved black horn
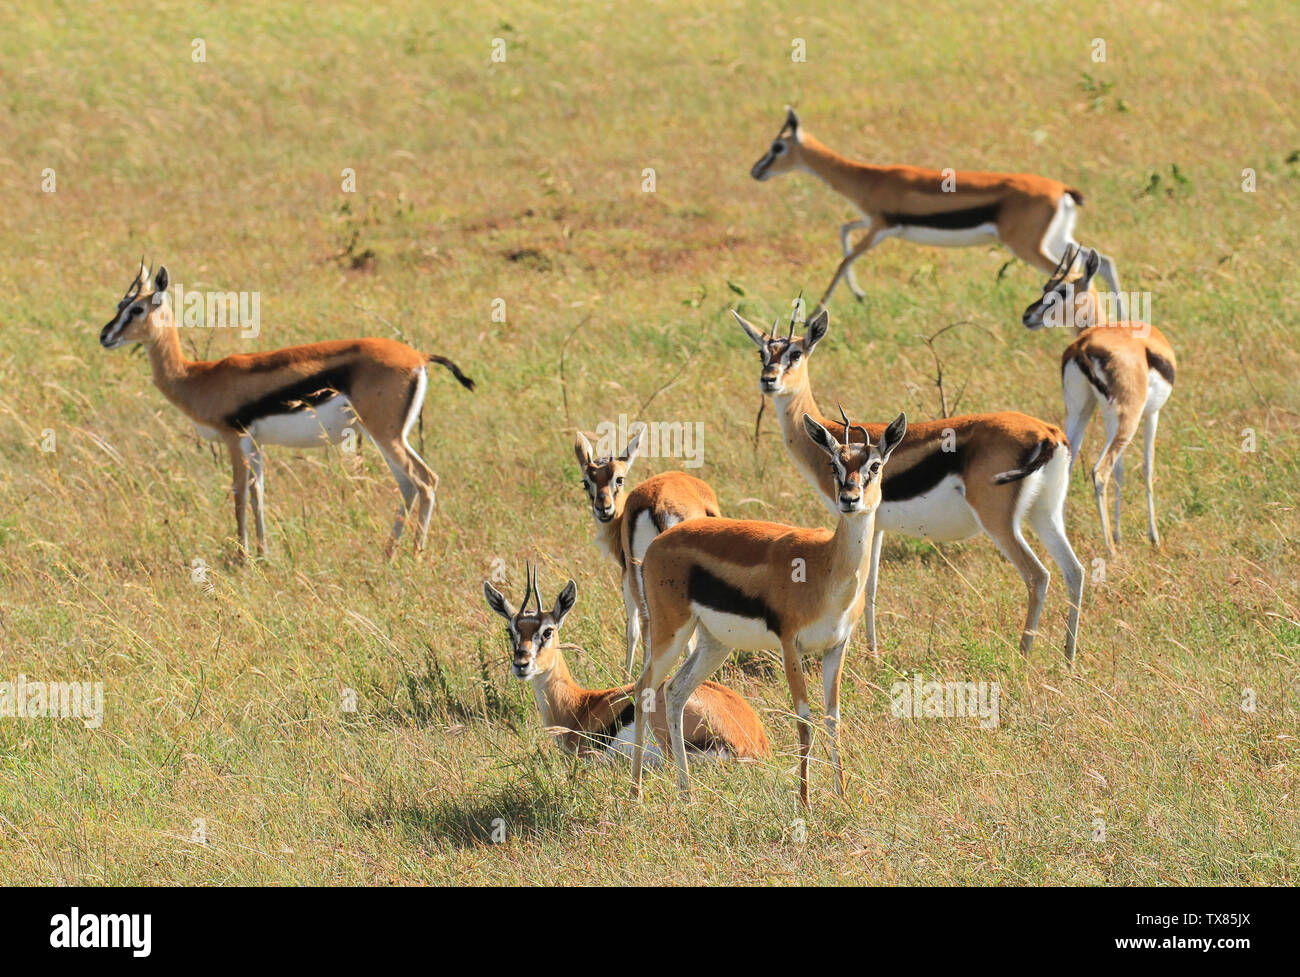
[794, 312]
[537, 594]
[848, 427]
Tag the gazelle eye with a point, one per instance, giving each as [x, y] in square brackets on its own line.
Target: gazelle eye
[137, 311]
[546, 635]
[875, 467]
[778, 148]
[619, 481]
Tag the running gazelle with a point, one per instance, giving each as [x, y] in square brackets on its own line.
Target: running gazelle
[626, 521]
[747, 584]
[597, 722]
[952, 478]
[1032, 216]
[1126, 368]
[300, 397]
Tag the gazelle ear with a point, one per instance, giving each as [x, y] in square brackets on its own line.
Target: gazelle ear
[756, 335]
[160, 279]
[820, 436]
[791, 120]
[497, 601]
[564, 603]
[633, 446]
[817, 327]
[892, 437]
[582, 448]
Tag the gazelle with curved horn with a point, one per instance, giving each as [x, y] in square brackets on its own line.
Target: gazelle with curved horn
[950, 480]
[301, 397]
[748, 584]
[626, 521]
[1033, 216]
[1125, 368]
[597, 722]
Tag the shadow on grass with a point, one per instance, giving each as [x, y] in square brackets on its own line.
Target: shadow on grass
[540, 803]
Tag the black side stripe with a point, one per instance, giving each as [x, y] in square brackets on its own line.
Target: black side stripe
[712, 591]
[1161, 365]
[949, 220]
[605, 736]
[899, 486]
[310, 391]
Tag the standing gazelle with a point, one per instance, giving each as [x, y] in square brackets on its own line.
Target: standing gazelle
[1125, 367]
[301, 397]
[1032, 215]
[596, 722]
[952, 479]
[747, 584]
[626, 521]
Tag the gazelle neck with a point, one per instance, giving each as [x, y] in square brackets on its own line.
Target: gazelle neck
[170, 367]
[556, 693]
[609, 535]
[790, 409]
[840, 173]
[851, 547]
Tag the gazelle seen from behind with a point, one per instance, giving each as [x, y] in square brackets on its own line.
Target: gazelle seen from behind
[1033, 216]
[626, 521]
[950, 480]
[300, 397]
[1125, 368]
[597, 722]
[747, 584]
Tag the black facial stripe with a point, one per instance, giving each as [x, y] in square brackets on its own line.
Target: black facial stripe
[705, 588]
[310, 391]
[948, 220]
[922, 476]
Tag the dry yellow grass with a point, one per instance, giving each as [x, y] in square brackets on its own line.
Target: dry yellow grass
[522, 180]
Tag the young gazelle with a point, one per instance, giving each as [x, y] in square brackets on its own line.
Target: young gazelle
[1032, 215]
[301, 397]
[952, 479]
[590, 722]
[1125, 367]
[749, 584]
[627, 521]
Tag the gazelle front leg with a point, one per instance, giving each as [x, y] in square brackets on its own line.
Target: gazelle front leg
[846, 249]
[799, 694]
[257, 480]
[633, 610]
[873, 575]
[871, 239]
[832, 669]
[240, 470]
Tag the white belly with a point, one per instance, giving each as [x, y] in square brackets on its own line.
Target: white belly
[309, 427]
[941, 514]
[955, 238]
[735, 631]
[624, 745]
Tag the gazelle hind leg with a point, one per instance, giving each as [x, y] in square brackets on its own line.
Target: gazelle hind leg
[412, 491]
[632, 607]
[700, 663]
[663, 652]
[1049, 523]
[1117, 477]
[846, 249]
[1149, 424]
[1011, 541]
[1080, 402]
[240, 477]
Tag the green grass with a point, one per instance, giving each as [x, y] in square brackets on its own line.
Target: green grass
[522, 180]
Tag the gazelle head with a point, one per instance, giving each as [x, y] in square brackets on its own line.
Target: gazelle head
[785, 359]
[534, 634]
[603, 477]
[784, 154]
[1068, 301]
[140, 313]
[857, 467]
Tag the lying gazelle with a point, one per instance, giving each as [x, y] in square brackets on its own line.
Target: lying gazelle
[717, 722]
[1032, 215]
[627, 521]
[749, 584]
[951, 479]
[1125, 367]
[301, 397]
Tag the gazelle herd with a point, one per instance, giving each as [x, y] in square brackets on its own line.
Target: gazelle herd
[697, 586]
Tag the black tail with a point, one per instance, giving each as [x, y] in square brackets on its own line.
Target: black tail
[1040, 455]
[1078, 197]
[465, 381]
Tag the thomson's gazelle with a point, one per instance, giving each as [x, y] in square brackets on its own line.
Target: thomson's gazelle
[597, 722]
[627, 521]
[749, 584]
[950, 480]
[1126, 368]
[302, 397]
[1031, 215]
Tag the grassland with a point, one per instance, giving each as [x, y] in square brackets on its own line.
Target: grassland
[522, 180]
